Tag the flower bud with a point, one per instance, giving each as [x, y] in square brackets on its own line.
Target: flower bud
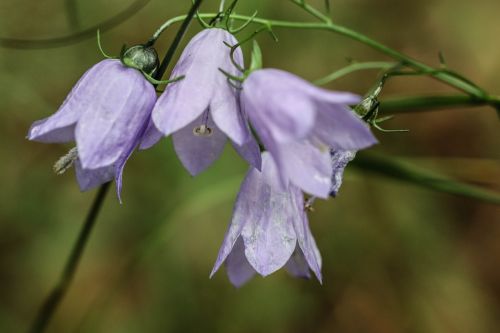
[141, 57]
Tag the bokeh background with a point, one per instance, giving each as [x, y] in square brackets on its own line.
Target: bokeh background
[397, 258]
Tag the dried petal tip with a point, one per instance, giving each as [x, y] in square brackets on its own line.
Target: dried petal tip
[141, 57]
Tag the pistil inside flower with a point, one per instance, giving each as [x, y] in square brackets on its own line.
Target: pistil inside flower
[203, 130]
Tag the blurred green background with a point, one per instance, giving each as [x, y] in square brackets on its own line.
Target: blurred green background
[397, 258]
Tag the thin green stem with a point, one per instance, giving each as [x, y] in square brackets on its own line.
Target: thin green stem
[313, 11]
[400, 170]
[48, 308]
[177, 40]
[222, 5]
[446, 77]
[360, 66]
[430, 103]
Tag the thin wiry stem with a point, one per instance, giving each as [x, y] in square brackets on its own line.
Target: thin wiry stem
[49, 306]
[222, 5]
[51, 303]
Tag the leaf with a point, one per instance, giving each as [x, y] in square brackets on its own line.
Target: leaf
[403, 171]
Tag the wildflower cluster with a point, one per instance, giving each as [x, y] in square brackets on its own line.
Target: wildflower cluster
[297, 139]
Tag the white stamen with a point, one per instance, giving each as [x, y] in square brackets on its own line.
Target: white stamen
[203, 131]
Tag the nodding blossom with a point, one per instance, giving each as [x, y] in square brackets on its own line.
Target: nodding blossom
[299, 124]
[269, 230]
[105, 113]
[202, 110]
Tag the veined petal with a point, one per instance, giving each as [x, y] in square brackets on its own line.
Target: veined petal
[89, 179]
[198, 152]
[340, 159]
[340, 128]
[114, 116]
[304, 237]
[225, 103]
[238, 268]
[245, 209]
[268, 233]
[185, 100]
[307, 167]
[60, 127]
[278, 101]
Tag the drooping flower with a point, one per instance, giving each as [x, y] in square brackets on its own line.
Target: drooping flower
[269, 230]
[106, 113]
[299, 124]
[202, 110]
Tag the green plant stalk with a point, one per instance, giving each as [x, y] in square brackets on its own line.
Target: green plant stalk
[400, 105]
[444, 77]
[402, 171]
[355, 67]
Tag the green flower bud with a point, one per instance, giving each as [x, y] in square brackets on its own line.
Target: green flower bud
[141, 57]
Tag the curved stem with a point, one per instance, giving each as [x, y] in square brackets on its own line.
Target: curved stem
[360, 66]
[51, 303]
[446, 77]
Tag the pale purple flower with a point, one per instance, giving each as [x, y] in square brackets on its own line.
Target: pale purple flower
[269, 230]
[105, 113]
[202, 110]
[299, 124]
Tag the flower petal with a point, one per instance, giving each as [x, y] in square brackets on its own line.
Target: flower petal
[307, 167]
[198, 152]
[268, 233]
[278, 102]
[89, 179]
[185, 100]
[225, 103]
[114, 116]
[238, 269]
[340, 159]
[151, 136]
[244, 210]
[340, 128]
[250, 151]
[304, 237]
[334, 97]
[60, 127]
[297, 265]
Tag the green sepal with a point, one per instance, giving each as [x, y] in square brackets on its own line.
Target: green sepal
[256, 62]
